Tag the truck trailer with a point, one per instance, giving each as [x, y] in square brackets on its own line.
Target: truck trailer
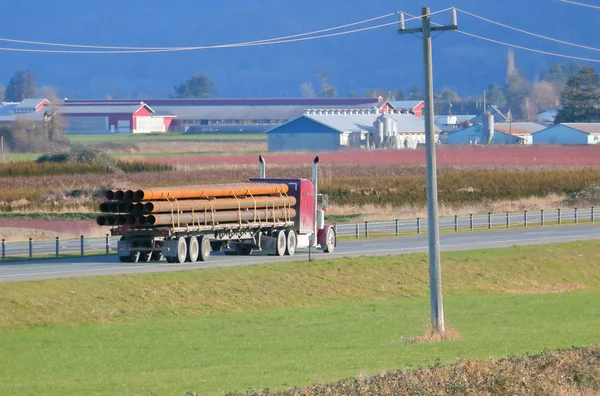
[187, 223]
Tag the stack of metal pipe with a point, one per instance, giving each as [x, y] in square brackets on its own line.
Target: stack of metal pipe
[197, 205]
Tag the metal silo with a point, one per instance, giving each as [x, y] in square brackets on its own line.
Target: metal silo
[378, 133]
[487, 129]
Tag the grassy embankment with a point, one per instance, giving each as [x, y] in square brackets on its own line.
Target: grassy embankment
[214, 331]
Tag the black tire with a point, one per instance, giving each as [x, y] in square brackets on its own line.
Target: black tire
[216, 246]
[280, 243]
[244, 249]
[291, 242]
[330, 240]
[204, 247]
[135, 256]
[181, 250]
[146, 257]
[193, 249]
[157, 256]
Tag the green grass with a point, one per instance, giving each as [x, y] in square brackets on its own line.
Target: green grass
[215, 331]
[184, 154]
[18, 157]
[134, 138]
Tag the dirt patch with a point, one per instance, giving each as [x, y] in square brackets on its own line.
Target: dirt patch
[431, 335]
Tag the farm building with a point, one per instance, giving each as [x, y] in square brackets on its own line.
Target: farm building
[334, 130]
[569, 133]
[234, 115]
[27, 109]
[495, 133]
[414, 107]
[119, 117]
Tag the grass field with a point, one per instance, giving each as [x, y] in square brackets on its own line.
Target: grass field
[215, 331]
[171, 136]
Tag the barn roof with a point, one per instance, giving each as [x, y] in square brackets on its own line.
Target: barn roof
[589, 128]
[119, 108]
[518, 128]
[32, 103]
[345, 123]
[235, 109]
[404, 104]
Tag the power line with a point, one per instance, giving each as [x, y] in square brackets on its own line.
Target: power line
[518, 46]
[528, 49]
[50, 44]
[182, 49]
[581, 4]
[527, 32]
[272, 41]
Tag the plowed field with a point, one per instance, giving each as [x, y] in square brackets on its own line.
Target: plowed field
[467, 155]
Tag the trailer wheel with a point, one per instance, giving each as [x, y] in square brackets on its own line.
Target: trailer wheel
[135, 256]
[244, 250]
[157, 256]
[281, 244]
[181, 250]
[291, 243]
[205, 248]
[146, 256]
[193, 249]
[216, 246]
[330, 240]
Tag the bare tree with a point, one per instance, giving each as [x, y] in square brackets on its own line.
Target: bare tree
[307, 90]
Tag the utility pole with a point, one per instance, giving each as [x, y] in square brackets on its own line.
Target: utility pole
[435, 269]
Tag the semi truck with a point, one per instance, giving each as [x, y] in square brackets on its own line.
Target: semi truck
[185, 224]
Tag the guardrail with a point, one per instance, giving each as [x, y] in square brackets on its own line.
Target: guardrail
[82, 245]
[57, 247]
[401, 227]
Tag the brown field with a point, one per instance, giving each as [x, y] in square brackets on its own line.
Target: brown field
[464, 155]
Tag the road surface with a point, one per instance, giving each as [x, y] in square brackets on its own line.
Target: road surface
[110, 265]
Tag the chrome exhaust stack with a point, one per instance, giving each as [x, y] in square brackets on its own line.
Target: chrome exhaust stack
[315, 181]
[263, 167]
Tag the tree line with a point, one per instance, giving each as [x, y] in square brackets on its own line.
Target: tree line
[574, 87]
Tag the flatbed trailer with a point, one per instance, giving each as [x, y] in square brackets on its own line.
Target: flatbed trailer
[299, 227]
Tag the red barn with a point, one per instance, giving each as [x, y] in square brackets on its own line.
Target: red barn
[116, 117]
[403, 107]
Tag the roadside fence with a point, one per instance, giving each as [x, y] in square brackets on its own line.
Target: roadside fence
[57, 248]
[489, 221]
[399, 227]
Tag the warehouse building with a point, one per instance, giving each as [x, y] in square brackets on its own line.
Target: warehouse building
[117, 117]
[490, 132]
[233, 115]
[333, 130]
[569, 134]
[28, 109]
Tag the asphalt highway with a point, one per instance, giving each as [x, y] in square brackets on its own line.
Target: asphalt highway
[110, 265]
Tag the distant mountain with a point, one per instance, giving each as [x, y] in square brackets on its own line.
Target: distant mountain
[359, 62]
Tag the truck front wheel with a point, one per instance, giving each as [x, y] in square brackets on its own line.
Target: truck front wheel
[330, 240]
